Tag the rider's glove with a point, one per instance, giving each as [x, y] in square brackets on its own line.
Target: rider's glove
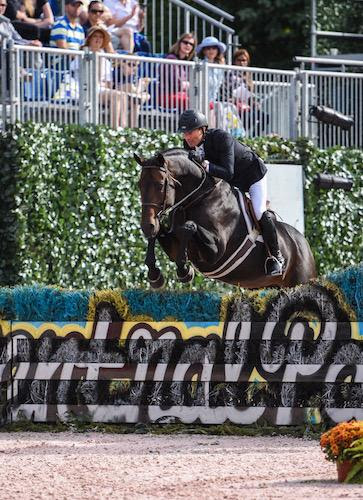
[195, 156]
[205, 164]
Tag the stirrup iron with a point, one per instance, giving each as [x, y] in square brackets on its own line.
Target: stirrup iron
[274, 272]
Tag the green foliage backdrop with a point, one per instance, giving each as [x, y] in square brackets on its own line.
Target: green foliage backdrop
[274, 31]
[70, 209]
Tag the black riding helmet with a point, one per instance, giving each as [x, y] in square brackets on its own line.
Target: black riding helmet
[191, 120]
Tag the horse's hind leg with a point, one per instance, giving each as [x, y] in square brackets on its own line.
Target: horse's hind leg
[184, 233]
[155, 277]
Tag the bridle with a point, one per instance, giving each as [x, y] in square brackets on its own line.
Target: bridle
[163, 210]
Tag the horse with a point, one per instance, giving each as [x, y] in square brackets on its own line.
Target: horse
[198, 218]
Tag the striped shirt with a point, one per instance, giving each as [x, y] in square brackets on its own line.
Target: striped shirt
[71, 33]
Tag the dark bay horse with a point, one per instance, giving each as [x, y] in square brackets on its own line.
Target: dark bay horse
[205, 226]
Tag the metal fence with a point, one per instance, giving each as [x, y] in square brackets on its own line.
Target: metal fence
[342, 92]
[53, 85]
[167, 21]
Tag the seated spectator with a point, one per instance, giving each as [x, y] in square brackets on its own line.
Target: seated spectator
[174, 79]
[112, 100]
[96, 11]
[135, 88]
[238, 85]
[32, 19]
[240, 90]
[8, 30]
[67, 33]
[125, 23]
[211, 50]
[242, 58]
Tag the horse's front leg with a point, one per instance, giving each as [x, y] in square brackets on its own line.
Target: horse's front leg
[155, 276]
[185, 233]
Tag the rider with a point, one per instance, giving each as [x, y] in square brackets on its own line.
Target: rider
[223, 156]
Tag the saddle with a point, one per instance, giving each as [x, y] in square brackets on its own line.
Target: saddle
[248, 211]
[246, 208]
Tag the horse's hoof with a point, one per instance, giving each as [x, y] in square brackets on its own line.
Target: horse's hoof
[157, 282]
[189, 276]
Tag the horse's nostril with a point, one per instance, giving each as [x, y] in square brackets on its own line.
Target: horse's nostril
[148, 228]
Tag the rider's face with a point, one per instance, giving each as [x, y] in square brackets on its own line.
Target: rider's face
[194, 137]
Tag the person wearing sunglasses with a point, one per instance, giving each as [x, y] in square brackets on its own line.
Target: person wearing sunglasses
[174, 79]
[95, 17]
[184, 48]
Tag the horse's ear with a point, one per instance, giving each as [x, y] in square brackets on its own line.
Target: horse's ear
[139, 160]
[160, 160]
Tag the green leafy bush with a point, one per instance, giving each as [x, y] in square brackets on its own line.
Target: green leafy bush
[70, 208]
[354, 454]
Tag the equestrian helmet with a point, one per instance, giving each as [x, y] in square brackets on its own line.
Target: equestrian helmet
[191, 120]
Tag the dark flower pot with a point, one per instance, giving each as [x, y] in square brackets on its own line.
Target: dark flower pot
[343, 469]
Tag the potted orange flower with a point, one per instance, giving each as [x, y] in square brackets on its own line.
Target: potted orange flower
[337, 440]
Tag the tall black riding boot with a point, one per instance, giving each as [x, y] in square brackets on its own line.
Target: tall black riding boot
[274, 264]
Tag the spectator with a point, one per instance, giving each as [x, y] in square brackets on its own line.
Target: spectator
[135, 88]
[8, 30]
[67, 33]
[114, 101]
[242, 58]
[32, 19]
[184, 48]
[175, 78]
[212, 51]
[125, 22]
[241, 90]
[96, 11]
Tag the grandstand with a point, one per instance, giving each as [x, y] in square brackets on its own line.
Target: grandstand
[40, 84]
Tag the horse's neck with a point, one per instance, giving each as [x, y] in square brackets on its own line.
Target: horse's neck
[189, 175]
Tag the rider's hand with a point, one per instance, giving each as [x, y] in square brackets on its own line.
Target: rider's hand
[194, 156]
[205, 164]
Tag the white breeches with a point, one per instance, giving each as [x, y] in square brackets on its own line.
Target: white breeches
[258, 195]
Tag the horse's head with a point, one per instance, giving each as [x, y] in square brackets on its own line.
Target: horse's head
[157, 188]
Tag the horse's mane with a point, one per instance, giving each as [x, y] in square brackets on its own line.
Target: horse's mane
[167, 153]
[174, 151]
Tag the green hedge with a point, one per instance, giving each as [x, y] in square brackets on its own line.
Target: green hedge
[70, 209]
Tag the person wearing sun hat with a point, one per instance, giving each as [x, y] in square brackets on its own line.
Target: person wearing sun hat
[113, 101]
[208, 43]
[98, 28]
[211, 51]
[95, 16]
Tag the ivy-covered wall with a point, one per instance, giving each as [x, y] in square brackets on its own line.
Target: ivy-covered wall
[69, 206]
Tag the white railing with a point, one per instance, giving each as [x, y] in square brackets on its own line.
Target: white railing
[342, 92]
[166, 21]
[53, 85]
